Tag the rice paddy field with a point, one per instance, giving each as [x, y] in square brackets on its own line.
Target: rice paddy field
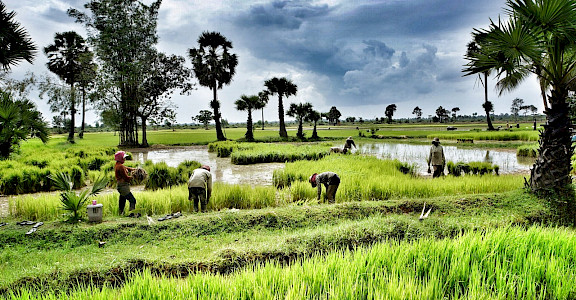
[485, 236]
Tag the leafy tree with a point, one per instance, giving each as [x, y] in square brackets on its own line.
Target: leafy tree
[19, 120]
[249, 103]
[528, 108]
[351, 119]
[204, 117]
[283, 88]
[165, 75]
[123, 35]
[314, 116]
[333, 115]
[264, 98]
[442, 114]
[516, 107]
[475, 47]
[418, 112]
[214, 67]
[538, 38]
[64, 61]
[390, 109]
[455, 110]
[300, 111]
[15, 44]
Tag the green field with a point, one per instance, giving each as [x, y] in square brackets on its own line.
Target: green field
[485, 238]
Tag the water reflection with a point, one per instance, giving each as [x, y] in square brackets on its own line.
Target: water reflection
[221, 168]
[418, 155]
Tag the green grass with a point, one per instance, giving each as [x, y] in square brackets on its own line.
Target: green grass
[505, 263]
[60, 256]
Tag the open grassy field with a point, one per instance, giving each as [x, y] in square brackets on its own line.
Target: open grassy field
[485, 238]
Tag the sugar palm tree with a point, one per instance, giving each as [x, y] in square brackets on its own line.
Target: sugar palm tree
[299, 111]
[474, 48]
[538, 38]
[214, 67]
[263, 95]
[283, 88]
[64, 60]
[249, 103]
[314, 116]
[15, 44]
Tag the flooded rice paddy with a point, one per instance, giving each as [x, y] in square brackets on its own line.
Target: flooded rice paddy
[261, 174]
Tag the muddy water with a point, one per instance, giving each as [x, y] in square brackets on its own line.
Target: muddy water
[418, 155]
[221, 168]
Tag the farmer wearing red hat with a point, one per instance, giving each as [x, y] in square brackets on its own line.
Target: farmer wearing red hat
[200, 187]
[123, 178]
[330, 181]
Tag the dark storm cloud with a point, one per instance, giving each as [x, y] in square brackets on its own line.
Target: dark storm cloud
[351, 44]
[287, 15]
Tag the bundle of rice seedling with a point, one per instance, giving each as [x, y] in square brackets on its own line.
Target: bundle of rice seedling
[140, 175]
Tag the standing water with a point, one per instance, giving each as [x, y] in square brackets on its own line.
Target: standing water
[418, 155]
[221, 168]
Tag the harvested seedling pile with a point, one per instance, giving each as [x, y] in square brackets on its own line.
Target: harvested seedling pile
[140, 174]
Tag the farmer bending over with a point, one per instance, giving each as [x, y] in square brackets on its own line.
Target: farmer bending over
[200, 187]
[348, 145]
[123, 182]
[330, 181]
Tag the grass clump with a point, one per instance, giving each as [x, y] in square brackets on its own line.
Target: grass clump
[471, 168]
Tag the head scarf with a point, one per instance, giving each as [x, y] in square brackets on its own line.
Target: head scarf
[119, 156]
[205, 167]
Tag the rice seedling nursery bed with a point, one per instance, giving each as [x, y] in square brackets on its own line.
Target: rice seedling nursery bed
[486, 238]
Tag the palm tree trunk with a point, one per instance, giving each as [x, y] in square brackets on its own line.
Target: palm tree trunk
[144, 138]
[72, 113]
[249, 134]
[216, 107]
[81, 134]
[300, 129]
[488, 120]
[283, 132]
[314, 132]
[551, 171]
[262, 118]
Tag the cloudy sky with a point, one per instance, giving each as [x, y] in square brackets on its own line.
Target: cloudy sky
[359, 56]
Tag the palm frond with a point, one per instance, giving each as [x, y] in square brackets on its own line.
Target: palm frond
[62, 181]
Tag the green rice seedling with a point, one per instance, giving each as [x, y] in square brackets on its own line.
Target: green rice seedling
[160, 175]
[522, 135]
[187, 167]
[241, 196]
[266, 153]
[369, 178]
[471, 168]
[530, 150]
